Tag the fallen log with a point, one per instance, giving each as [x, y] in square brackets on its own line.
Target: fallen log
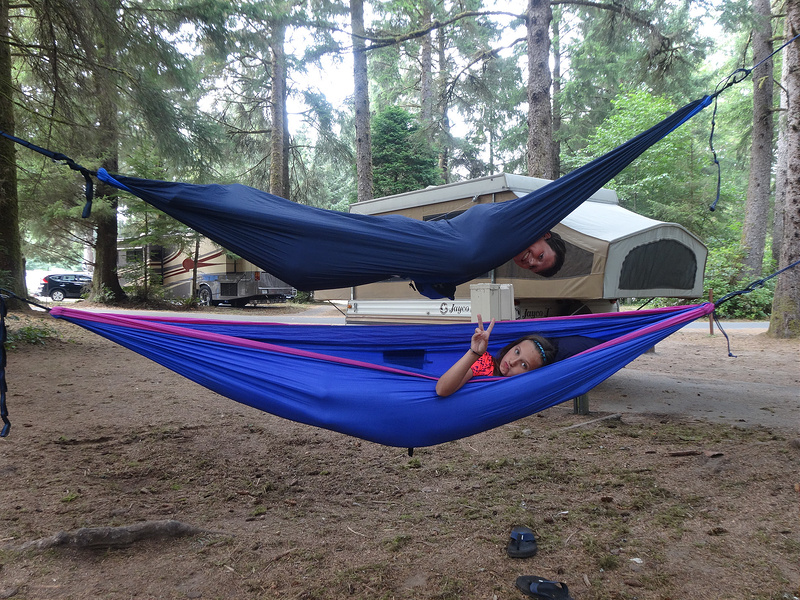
[90, 538]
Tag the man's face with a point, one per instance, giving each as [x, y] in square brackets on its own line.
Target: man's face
[537, 257]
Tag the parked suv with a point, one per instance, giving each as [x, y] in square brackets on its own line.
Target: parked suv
[63, 286]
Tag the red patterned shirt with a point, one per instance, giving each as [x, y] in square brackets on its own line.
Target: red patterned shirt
[484, 366]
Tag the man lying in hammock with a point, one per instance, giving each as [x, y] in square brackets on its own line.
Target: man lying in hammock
[545, 256]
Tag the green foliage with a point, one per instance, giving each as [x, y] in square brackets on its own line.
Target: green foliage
[187, 302]
[723, 276]
[608, 54]
[142, 284]
[670, 181]
[138, 293]
[70, 497]
[397, 543]
[402, 157]
[32, 334]
[103, 296]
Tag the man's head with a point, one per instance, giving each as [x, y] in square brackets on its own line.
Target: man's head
[545, 256]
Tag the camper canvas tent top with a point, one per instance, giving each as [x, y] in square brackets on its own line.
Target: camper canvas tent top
[612, 252]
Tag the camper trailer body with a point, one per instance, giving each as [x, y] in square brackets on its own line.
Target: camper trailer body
[612, 253]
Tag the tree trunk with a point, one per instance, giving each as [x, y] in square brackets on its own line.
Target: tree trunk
[426, 69]
[361, 101]
[287, 152]
[12, 267]
[277, 108]
[444, 106]
[105, 280]
[540, 125]
[195, 262]
[758, 187]
[785, 321]
[779, 211]
[556, 91]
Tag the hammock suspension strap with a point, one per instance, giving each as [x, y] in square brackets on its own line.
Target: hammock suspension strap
[4, 293]
[737, 76]
[758, 283]
[57, 157]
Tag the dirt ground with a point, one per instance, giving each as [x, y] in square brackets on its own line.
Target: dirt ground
[689, 493]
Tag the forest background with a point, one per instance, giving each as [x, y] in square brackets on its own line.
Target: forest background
[217, 91]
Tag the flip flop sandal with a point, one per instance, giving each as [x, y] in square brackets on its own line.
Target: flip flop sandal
[543, 589]
[522, 543]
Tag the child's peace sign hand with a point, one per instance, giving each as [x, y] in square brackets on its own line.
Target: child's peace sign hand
[480, 339]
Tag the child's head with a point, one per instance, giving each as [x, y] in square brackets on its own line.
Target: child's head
[524, 354]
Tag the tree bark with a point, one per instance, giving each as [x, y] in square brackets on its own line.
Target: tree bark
[12, 267]
[779, 211]
[105, 280]
[785, 320]
[444, 106]
[278, 109]
[758, 188]
[540, 124]
[556, 92]
[95, 538]
[361, 101]
[426, 70]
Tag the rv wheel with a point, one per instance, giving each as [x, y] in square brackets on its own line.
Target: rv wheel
[204, 296]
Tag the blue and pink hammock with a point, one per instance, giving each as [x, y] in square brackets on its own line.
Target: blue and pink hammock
[377, 382]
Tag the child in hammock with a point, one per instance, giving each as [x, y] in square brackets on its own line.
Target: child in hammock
[520, 356]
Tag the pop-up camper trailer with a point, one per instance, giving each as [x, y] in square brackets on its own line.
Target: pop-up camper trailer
[612, 253]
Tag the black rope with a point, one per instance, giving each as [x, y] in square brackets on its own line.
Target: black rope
[645, 304]
[740, 75]
[758, 283]
[722, 331]
[737, 76]
[713, 206]
[57, 157]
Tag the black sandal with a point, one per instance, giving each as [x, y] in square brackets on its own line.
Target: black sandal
[522, 543]
[543, 589]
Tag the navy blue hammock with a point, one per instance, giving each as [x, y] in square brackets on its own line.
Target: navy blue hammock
[316, 249]
[378, 382]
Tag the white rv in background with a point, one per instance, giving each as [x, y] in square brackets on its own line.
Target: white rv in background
[221, 277]
[612, 253]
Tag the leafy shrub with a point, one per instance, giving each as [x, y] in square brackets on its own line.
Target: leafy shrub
[27, 334]
[187, 302]
[139, 294]
[723, 276]
[104, 296]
